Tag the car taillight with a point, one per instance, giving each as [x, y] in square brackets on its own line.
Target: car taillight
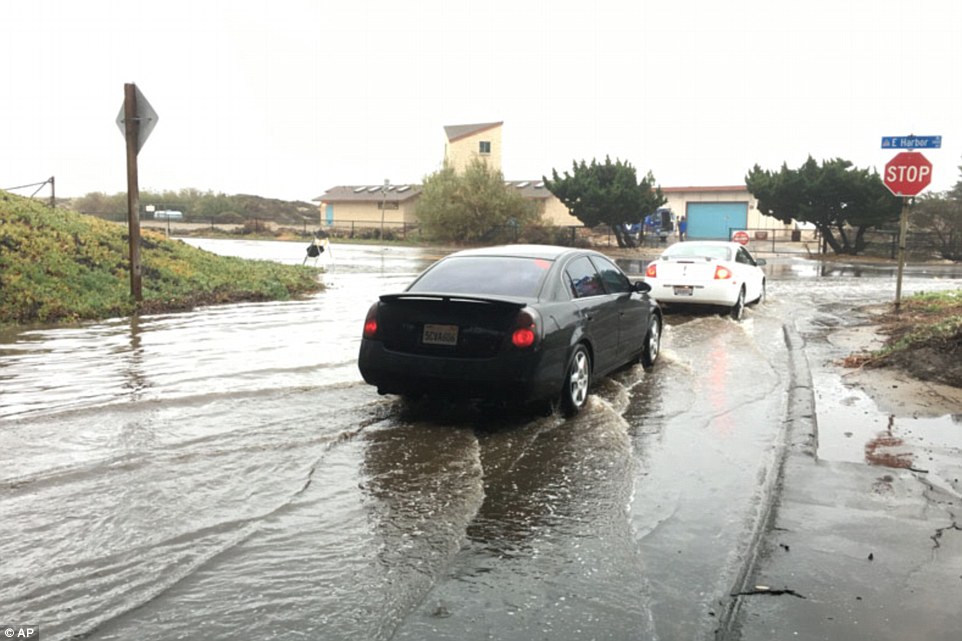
[370, 323]
[652, 271]
[722, 273]
[525, 333]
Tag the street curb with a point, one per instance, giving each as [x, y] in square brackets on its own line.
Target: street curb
[800, 435]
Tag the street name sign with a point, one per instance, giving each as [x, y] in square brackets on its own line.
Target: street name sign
[912, 142]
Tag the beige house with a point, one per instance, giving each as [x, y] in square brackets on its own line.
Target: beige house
[466, 143]
[711, 212]
[368, 205]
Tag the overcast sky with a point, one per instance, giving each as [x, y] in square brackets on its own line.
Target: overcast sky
[287, 98]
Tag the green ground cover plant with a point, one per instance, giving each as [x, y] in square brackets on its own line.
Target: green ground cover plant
[60, 266]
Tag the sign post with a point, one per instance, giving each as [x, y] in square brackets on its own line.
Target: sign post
[907, 174]
[136, 120]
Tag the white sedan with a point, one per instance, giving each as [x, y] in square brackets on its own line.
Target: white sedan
[707, 273]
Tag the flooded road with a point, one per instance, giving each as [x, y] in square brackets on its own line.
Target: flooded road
[225, 473]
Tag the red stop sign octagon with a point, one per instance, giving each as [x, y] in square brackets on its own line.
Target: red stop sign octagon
[907, 174]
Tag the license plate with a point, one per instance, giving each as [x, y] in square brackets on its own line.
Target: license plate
[683, 290]
[439, 334]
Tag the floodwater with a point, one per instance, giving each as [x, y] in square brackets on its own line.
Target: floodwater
[225, 473]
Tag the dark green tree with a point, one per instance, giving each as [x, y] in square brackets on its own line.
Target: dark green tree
[607, 193]
[843, 202]
[956, 192]
[939, 216]
[475, 206]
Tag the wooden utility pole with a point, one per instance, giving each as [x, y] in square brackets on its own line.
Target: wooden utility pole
[132, 134]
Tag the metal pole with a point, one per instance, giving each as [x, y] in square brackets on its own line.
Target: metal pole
[903, 232]
[53, 193]
[132, 131]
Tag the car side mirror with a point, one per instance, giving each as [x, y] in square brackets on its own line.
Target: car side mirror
[641, 286]
[761, 261]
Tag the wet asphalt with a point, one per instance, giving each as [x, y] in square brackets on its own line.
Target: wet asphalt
[200, 475]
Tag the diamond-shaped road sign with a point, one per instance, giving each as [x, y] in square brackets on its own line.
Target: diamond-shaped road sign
[145, 114]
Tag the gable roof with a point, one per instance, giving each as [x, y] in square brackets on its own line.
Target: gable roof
[369, 193]
[456, 132]
[530, 189]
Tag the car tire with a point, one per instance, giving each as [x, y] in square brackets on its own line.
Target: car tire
[649, 353]
[543, 408]
[574, 393]
[738, 309]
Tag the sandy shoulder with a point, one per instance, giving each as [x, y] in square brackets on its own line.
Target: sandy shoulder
[893, 390]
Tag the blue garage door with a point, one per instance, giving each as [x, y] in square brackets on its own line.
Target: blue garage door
[714, 220]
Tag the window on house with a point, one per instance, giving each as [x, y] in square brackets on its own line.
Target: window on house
[484, 146]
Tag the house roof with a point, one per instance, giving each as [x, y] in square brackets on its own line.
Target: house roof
[532, 189]
[369, 193]
[685, 190]
[456, 132]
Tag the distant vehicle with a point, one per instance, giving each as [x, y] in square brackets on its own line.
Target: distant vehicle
[528, 324]
[168, 214]
[660, 224]
[707, 272]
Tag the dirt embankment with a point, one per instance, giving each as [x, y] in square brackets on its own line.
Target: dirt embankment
[922, 339]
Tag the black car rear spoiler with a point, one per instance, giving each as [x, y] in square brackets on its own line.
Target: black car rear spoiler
[510, 301]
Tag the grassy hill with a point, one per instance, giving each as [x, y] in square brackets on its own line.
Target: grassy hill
[61, 266]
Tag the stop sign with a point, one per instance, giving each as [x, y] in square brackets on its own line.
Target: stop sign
[907, 174]
[740, 237]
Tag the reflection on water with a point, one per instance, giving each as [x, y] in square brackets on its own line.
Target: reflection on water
[221, 349]
[799, 268]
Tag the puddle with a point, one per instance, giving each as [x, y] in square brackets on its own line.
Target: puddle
[852, 427]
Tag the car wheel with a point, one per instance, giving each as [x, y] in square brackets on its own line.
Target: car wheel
[649, 354]
[738, 309]
[574, 394]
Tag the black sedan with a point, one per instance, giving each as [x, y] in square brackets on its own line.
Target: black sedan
[525, 324]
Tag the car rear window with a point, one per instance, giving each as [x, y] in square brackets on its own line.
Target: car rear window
[485, 275]
[692, 250]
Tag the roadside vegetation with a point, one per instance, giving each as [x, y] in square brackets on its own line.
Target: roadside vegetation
[472, 206]
[201, 207]
[842, 201]
[607, 194]
[58, 265]
[924, 338]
